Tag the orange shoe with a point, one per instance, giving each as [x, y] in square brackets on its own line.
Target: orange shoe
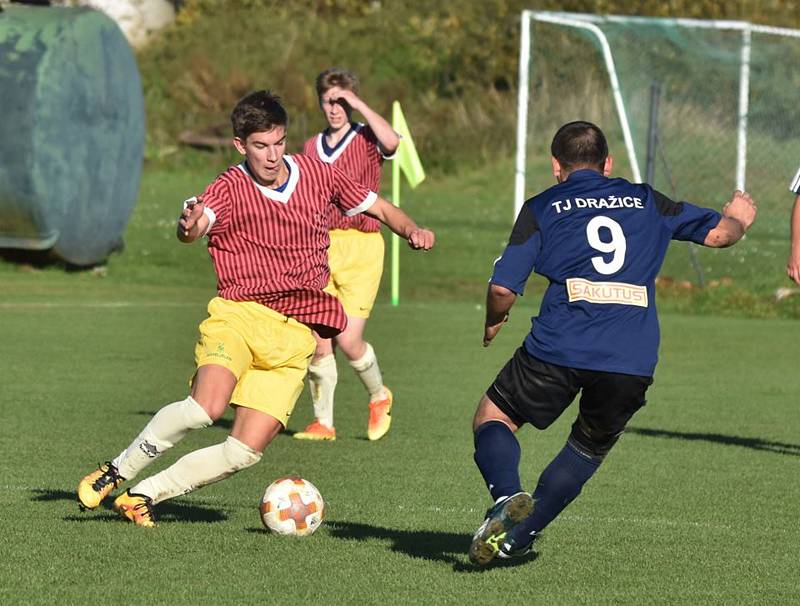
[135, 507]
[317, 431]
[380, 416]
[97, 485]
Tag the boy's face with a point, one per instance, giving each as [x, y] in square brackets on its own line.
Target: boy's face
[264, 153]
[337, 111]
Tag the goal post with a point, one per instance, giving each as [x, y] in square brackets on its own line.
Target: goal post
[729, 113]
[524, 62]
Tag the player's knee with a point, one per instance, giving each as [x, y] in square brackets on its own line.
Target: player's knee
[323, 350]
[239, 455]
[593, 443]
[488, 412]
[212, 387]
[213, 407]
[196, 417]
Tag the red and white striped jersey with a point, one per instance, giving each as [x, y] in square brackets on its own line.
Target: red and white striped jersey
[270, 246]
[360, 158]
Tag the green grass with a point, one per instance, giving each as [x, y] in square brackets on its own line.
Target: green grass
[472, 215]
[697, 503]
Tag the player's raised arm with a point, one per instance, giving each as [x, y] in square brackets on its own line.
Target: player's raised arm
[737, 217]
[793, 262]
[193, 222]
[400, 223]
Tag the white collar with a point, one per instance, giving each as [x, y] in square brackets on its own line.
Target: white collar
[354, 130]
[273, 194]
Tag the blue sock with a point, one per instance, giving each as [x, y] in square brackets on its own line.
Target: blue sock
[559, 484]
[497, 455]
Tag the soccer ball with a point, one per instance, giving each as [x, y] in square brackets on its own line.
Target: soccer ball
[292, 506]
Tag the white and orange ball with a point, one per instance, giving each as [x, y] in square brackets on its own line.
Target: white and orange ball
[292, 506]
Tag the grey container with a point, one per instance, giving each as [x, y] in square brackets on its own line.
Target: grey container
[71, 132]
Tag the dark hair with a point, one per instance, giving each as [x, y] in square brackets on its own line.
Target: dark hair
[336, 76]
[258, 112]
[579, 144]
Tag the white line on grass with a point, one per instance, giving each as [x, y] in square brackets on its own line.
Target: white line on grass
[198, 302]
[90, 304]
[340, 508]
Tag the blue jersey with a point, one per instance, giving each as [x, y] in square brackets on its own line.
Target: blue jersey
[600, 242]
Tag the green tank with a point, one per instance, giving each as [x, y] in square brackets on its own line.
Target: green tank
[71, 132]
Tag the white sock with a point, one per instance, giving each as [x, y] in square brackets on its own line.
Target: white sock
[165, 429]
[322, 378]
[198, 468]
[370, 374]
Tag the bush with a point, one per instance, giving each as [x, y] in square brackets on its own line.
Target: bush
[453, 66]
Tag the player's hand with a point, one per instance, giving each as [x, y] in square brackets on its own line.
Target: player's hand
[345, 97]
[793, 266]
[490, 331]
[421, 239]
[742, 208]
[190, 215]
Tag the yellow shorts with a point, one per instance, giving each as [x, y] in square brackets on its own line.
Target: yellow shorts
[268, 352]
[356, 260]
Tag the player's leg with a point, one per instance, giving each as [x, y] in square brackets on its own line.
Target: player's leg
[252, 431]
[365, 363]
[221, 354]
[497, 451]
[212, 387]
[497, 455]
[166, 428]
[264, 398]
[322, 379]
[525, 390]
[608, 402]
[361, 356]
[322, 372]
[360, 261]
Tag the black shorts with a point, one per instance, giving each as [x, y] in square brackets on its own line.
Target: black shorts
[531, 391]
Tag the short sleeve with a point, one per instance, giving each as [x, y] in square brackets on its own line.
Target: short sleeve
[686, 221]
[373, 147]
[513, 268]
[217, 199]
[794, 185]
[349, 195]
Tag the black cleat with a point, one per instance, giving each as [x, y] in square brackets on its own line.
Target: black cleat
[504, 515]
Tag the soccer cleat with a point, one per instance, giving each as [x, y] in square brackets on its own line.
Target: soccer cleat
[380, 416]
[137, 508]
[317, 431]
[488, 539]
[98, 485]
[511, 549]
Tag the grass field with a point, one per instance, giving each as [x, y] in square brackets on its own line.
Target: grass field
[697, 504]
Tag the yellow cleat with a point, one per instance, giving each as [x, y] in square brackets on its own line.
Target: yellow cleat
[380, 416]
[317, 431]
[137, 508]
[98, 485]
